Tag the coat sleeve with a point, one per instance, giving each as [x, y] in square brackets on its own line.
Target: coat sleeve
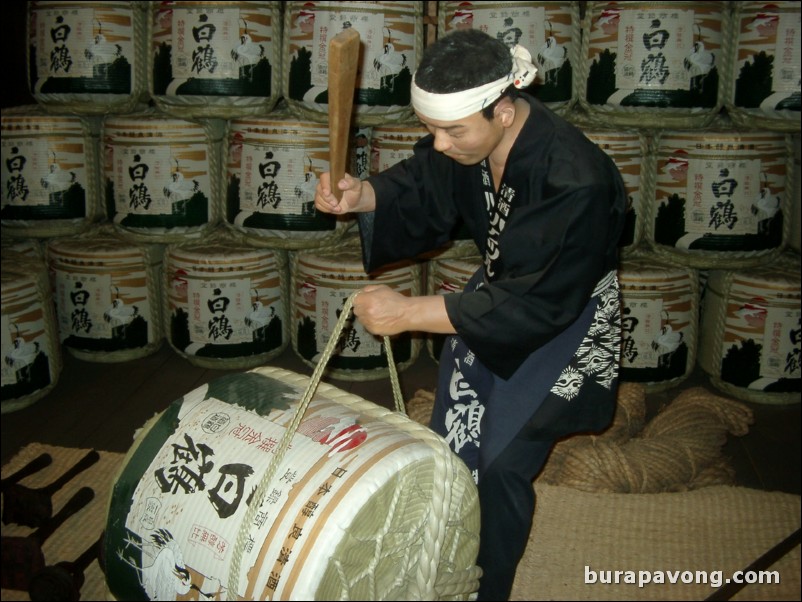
[414, 209]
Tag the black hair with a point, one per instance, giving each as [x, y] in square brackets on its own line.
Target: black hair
[464, 59]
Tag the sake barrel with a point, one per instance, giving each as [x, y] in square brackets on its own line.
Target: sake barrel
[445, 276]
[659, 323]
[365, 504]
[629, 150]
[765, 86]
[272, 170]
[162, 176]
[88, 57]
[321, 281]
[721, 199]
[550, 31]
[50, 169]
[794, 240]
[750, 326]
[654, 64]
[31, 350]
[108, 296]
[391, 38]
[215, 59]
[227, 302]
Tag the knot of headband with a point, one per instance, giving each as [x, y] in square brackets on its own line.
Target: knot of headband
[456, 105]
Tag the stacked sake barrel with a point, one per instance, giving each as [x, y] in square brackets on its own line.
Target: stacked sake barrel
[31, 350]
[721, 197]
[227, 302]
[321, 281]
[272, 168]
[751, 332]
[765, 89]
[88, 57]
[50, 168]
[215, 59]
[162, 175]
[648, 63]
[108, 295]
[391, 38]
[550, 31]
[659, 321]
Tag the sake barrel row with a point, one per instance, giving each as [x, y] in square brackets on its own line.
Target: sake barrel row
[49, 169]
[550, 31]
[108, 295]
[231, 493]
[227, 302]
[750, 332]
[30, 344]
[88, 57]
[321, 282]
[719, 198]
[391, 39]
[162, 175]
[765, 91]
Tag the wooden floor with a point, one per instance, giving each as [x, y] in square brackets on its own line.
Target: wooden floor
[101, 405]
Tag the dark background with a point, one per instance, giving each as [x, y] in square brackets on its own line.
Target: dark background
[15, 89]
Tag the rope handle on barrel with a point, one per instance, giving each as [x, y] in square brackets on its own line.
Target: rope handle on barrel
[314, 381]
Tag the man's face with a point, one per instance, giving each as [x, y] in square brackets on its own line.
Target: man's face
[467, 141]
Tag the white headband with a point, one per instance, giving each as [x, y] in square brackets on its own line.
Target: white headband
[456, 105]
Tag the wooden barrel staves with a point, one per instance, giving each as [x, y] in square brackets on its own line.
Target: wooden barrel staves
[207, 500]
[215, 59]
[227, 302]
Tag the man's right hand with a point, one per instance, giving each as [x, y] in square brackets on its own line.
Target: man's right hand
[357, 196]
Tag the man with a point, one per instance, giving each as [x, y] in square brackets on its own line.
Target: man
[534, 349]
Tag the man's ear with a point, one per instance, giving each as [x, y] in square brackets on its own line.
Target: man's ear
[505, 111]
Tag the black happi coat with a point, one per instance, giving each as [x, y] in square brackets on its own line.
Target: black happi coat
[560, 240]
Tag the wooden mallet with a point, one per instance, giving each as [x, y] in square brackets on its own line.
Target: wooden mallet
[343, 62]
